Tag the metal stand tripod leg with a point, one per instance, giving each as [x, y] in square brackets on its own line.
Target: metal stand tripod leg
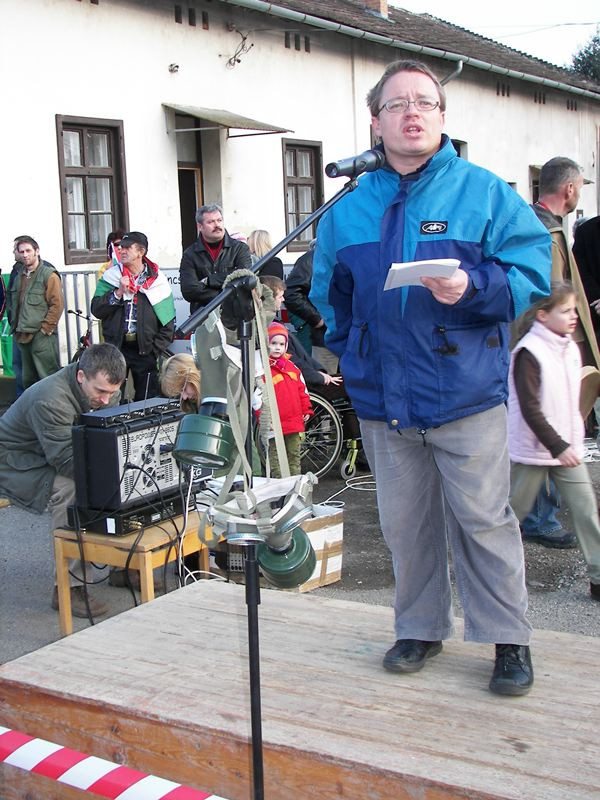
[252, 602]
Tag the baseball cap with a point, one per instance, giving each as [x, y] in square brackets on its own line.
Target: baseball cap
[134, 237]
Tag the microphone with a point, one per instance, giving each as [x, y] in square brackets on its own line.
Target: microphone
[354, 166]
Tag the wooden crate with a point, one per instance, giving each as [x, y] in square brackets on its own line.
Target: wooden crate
[326, 533]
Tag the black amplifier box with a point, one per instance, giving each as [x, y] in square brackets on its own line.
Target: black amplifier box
[125, 463]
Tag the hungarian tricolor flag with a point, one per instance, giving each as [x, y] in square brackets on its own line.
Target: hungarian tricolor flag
[156, 288]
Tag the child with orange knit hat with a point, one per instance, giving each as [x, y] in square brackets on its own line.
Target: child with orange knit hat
[292, 398]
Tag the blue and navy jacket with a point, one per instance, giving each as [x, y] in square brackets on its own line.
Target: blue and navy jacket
[406, 358]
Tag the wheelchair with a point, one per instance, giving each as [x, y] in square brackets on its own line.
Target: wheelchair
[332, 430]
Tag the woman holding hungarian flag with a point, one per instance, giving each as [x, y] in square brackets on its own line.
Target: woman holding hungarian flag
[134, 301]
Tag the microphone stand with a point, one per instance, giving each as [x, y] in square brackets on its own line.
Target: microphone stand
[242, 287]
[252, 578]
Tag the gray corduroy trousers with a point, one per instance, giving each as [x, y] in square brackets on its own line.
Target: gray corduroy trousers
[449, 488]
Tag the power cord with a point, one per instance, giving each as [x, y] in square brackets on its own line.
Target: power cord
[362, 483]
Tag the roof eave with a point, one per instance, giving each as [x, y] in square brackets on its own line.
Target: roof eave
[357, 33]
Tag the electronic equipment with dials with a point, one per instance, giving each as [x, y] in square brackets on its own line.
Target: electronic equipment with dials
[123, 459]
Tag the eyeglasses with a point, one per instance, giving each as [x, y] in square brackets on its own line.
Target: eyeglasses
[398, 105]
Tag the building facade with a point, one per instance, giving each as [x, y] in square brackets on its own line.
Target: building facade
[131, 114]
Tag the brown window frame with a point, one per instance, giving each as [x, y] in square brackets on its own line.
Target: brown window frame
[316, 181]
[116, 172]
[534, 183]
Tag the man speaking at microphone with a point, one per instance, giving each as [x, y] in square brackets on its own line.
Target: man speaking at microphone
[426, 367]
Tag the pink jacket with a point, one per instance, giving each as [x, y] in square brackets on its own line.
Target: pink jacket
[560, 365]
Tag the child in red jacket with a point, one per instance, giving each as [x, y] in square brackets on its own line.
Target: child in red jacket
[292, 398]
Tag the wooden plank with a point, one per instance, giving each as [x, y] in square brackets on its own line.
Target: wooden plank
[164, 688]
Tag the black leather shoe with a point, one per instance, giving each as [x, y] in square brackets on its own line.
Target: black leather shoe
[558, 540]
[513, 671]
[409, 655]
[595, 591]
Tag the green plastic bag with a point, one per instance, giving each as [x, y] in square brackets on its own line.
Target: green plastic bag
[6, 349]
[6, 343]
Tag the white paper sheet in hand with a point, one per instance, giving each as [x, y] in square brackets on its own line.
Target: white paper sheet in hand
[410, 273]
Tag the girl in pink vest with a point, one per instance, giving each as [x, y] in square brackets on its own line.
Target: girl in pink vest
[545, 427]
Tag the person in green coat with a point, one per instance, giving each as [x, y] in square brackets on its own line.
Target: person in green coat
[36, 451]
[35, 305]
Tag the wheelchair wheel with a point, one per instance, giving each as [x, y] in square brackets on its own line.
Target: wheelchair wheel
[322, 445]
[347, 471]
[323, 441]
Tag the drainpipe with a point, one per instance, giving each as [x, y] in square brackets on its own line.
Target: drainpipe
[452, 75]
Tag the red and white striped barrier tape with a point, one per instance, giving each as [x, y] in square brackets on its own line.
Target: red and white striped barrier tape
[89, 773]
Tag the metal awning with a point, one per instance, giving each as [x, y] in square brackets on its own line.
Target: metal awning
[222, 119]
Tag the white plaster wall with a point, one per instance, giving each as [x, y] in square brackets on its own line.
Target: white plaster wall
[111, 61]
[508, 134]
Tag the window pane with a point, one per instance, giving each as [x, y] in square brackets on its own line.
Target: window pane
[305, 198]
[100, 227]
[290, 169]
[291, 199]
[72, 148]
[307, 235]
[97, 150]
[75, 194]
[99, 194]
[305, 169]
[77, 237]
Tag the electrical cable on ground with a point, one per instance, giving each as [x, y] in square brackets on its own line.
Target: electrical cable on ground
[362, 483]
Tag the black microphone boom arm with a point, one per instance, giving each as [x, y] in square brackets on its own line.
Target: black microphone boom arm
[198, 317]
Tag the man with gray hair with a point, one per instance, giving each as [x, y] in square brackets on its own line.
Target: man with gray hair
[561, 181]
[207, 262]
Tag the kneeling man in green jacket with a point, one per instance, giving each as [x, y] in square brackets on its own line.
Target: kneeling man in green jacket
[36, 451]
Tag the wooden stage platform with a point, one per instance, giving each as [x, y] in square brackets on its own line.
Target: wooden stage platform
[163, 688]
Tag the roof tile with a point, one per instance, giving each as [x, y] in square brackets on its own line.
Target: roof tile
[428, 31]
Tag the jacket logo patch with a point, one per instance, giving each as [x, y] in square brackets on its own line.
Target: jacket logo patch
[434, 226]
